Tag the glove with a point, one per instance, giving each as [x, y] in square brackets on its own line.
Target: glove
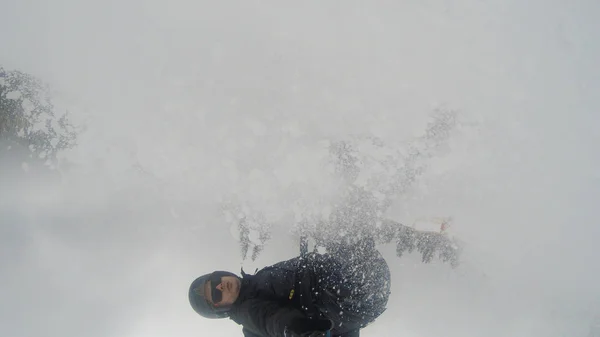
[304, 327]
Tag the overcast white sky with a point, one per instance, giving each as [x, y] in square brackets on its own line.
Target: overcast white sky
[184, 102]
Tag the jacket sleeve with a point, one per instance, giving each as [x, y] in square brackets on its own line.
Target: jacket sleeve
[248, 333]
[266, 318]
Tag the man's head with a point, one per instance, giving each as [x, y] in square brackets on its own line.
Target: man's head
[212, 295]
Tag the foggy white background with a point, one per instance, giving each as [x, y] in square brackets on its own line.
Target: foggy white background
[183, 103]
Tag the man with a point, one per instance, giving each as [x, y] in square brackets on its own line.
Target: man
[334, 294]
[337, 293]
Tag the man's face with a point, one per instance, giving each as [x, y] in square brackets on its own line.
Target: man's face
[230, 290]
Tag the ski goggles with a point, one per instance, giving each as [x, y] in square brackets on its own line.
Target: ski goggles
[215, 279]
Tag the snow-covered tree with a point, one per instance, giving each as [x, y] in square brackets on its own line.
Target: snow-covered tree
[28, 119]
[371, 175]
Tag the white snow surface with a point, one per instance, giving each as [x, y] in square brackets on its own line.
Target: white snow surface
[187, 104]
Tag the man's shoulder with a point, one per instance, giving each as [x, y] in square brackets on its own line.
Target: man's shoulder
[290, 264]
[248, 333]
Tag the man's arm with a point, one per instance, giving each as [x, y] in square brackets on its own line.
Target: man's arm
[271, 319]
[266, 318]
